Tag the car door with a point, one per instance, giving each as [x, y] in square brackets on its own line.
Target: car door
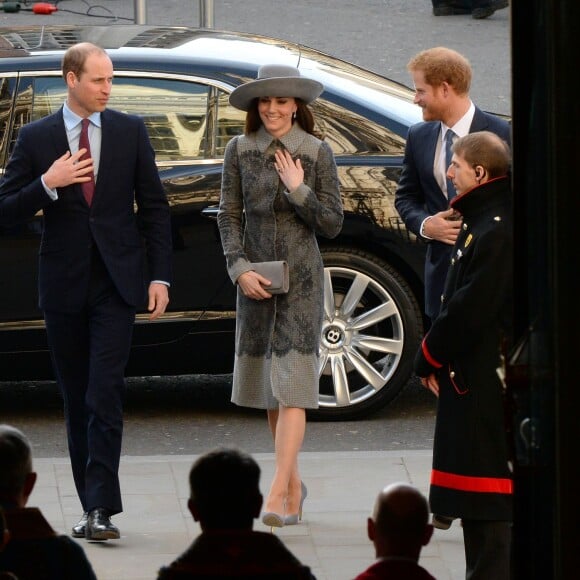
[21, 324]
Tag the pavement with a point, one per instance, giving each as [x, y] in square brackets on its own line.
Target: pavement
[331, 539]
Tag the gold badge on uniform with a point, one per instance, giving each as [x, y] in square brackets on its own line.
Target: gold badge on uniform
[468, 240]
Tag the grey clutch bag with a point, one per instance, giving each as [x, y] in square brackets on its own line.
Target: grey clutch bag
[276, 272]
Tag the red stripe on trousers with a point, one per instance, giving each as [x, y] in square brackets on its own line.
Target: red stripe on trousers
[468, 483]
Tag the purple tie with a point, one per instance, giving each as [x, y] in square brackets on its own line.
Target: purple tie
[88, 187]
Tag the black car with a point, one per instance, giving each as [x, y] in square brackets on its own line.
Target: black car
[179, 79]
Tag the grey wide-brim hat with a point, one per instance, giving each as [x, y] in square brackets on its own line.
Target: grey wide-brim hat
[276, 80]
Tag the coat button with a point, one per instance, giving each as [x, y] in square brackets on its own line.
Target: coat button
[452, 374]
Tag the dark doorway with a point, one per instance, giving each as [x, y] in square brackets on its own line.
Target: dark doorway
[546, 125]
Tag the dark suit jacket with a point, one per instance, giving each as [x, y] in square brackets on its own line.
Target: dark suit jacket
[127, 177]
[419, 195]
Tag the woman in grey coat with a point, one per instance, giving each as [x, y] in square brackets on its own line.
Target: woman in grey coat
[279, 191]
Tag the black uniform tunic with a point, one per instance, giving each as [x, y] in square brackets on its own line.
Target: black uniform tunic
[471, 478]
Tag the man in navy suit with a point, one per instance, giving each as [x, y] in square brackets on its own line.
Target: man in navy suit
[92, 259]
[442, 79]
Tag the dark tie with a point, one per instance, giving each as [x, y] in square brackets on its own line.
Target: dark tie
[88, 187]
[448, 155]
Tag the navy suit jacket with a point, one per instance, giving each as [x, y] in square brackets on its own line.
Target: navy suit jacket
[419, 195]
[129, 213]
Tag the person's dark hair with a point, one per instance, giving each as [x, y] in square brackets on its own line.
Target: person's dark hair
[441, 64]
[225, 487]
[75, 57]
[486, 149]
[15, 460]
[304, 117]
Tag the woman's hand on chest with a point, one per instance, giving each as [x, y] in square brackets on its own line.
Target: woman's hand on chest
[290, 171]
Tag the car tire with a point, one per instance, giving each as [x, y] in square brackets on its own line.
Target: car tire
[371, 330]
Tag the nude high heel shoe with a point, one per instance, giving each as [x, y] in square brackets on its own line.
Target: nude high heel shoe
[293, 519]
[273, 520]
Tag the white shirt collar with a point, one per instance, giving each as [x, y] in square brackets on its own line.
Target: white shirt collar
[71, 119]
[461, 128]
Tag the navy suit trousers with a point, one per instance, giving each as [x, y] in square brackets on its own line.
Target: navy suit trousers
[89, 352]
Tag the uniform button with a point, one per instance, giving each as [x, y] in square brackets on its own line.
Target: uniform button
[452, 261]
[442, 297]
[464, 226]
[452, 374]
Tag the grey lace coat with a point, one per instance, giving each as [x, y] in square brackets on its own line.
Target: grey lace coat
[277, 339]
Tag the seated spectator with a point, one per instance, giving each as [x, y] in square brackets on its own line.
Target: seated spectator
[225, 499]
[35, 551]
[398, 529]
[4, 538]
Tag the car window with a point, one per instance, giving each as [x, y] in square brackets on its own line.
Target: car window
[6, 96]
[185, 120]
[20, 113]
[191, 120]
[231, 122]
[175, 112]
[349, 133]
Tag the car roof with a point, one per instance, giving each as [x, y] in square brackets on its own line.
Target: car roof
[224, 56]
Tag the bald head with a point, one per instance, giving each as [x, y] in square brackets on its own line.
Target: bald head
[399, 524]
[400, 509]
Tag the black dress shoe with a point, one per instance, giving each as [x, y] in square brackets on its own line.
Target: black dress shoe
[99, 526]
[481, 13]
[78, 530]
[449, 10]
